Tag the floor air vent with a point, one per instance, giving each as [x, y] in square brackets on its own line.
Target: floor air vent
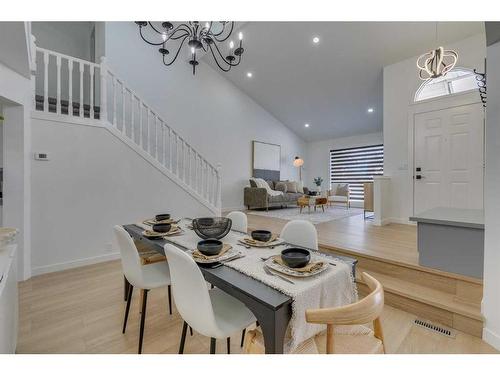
[448, 332]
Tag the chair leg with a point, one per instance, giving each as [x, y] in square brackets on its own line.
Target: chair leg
[243, 336]
[190, 331]
[183, 338]
[143, 318]
[228, 345]
[212, 345]
[169, 289]
[126, 286]
[127, 309]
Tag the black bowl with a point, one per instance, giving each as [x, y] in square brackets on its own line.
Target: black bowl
[212, 227]
[161, 228]
[261, 235]
[161, 217]
[209, 247]
[296, 257]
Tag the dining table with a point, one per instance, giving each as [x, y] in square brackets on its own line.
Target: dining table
[271, 307]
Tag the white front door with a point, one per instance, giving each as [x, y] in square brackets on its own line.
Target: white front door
[449, 158]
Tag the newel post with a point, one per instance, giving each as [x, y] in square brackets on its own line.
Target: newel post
[33, 68]
[104, 96]
[219, 186]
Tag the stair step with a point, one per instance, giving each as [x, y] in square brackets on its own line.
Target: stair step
[435, 298]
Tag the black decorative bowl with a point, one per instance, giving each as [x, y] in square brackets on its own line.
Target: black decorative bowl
[296, 257]
[209, 247]
[162, 217]
[212, 227]
[261, 235]
[161, 228]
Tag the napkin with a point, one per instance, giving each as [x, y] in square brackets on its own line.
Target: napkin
[310, 267]
[251, 241]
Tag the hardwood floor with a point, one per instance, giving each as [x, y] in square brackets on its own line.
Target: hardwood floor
[81, 311]
[396, 242]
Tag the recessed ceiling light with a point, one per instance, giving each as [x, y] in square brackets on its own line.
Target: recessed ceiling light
[249, 74]
[306, 125]
[370, 110]
[316, 40]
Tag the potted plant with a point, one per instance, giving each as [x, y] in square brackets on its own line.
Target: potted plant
[318, 181]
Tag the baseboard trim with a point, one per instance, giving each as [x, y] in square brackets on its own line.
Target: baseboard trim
[398, 220]
[491, 338]
[229, 209]
[73, 264]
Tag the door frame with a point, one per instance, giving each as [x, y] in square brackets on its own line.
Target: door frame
[431, 105]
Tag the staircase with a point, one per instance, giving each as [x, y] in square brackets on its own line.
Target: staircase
[92, 94]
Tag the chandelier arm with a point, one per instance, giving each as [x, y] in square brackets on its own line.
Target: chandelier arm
[222, 31]
[176, 54]
[220, 54]
[147, 41]
[228, 35]
[216, 61]
[154, 28]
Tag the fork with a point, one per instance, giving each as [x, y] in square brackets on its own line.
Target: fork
[268, 271]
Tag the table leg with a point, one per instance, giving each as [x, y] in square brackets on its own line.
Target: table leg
[274, 325]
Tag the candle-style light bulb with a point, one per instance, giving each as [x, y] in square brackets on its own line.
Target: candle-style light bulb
[207, 25]
[231, 44]
[240, 35]
[192, 50]
[164, 36]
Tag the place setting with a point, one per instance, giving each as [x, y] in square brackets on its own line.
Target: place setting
[161, 226]
[261, 239]
[211, 251]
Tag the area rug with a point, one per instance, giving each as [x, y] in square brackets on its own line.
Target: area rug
[331, 213]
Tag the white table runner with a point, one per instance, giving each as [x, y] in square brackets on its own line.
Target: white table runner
[333, 287]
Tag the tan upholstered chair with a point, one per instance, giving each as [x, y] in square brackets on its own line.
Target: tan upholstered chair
[339, 193]
[346, 332]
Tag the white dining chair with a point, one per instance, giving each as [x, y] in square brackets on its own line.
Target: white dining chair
[239, 221]
[212, 313]
[145, 277]
[300, 233]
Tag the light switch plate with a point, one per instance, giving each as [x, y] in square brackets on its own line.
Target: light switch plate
[43, 156]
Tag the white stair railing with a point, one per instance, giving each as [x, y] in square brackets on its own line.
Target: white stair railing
[67, 85]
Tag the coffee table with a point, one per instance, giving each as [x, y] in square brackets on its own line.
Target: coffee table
[311, 201]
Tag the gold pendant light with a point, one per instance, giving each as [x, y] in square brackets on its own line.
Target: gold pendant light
[436, 63]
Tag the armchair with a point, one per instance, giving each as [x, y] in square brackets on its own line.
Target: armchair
[339, 193]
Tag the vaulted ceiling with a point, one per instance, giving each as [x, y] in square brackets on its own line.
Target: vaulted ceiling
[330, 85]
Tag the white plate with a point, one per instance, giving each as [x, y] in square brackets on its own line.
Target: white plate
[229, 254]
[291, 272]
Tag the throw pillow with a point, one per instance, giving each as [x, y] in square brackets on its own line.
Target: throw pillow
[280, 186]
[291, 186]
[271, 184]
[253, 183]
[342, 190]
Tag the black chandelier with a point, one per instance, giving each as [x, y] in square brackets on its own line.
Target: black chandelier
[199, 37]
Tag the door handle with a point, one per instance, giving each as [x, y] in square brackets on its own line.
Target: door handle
[419, 177]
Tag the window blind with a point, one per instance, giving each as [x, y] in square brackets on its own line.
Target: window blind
[355, 166]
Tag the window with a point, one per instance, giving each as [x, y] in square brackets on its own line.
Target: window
[356, 165]
[457, 80]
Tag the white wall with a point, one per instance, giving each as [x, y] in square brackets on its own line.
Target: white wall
[92, 182]
[16, 96]
[491, 294]
[214, 116]
[400, 84]
[317, 159]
